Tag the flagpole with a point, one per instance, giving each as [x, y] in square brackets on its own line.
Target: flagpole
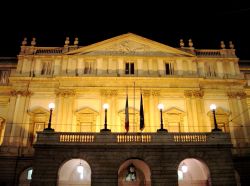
[127, 114]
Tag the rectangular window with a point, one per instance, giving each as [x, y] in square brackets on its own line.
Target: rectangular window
[129, 68]
[167, 67]
[4, 77]
[132, 71]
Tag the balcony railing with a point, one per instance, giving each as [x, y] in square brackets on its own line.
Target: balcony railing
[72, 138]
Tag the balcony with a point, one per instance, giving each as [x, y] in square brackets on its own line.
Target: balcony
[72, 138]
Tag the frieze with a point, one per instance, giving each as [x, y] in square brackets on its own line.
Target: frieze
[193, 93]
[232, 95]
[112, 92]
[20, 92]
[146, 92]
[156, 92]
[65, 92]
[188, 93]
[242, 95]
[198, 93]
[128, 46]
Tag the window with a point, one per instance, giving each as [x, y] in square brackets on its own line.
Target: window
[129, 68]
[46, 68]
[210, 70]
[29, 175]
[4, 77]
[169, 68]
[87, 68]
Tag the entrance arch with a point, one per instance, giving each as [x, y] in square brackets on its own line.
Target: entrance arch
[74, 172]
[193, 172]
[134, 172]
[25, 177]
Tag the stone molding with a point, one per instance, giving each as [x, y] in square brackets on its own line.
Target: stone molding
[110, 92]
[25, 93]
[65, 92]
[234, 95]
[193, 93]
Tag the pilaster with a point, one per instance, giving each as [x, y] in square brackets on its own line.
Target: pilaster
[146, 109]
[65, 112]
[236, 130]
[156, 120]
[17, 122]
[188, 96]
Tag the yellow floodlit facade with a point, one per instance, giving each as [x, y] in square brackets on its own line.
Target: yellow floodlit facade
[80, 79]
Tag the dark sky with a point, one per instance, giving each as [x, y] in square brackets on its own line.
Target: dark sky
[206, 22]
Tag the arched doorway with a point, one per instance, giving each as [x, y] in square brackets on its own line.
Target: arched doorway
[193, 172]
[25, 177]
[134, 172]
[74, 172]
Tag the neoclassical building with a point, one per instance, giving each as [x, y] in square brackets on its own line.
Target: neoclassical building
[79, 80]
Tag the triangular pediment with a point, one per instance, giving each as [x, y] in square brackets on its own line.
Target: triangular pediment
[129, 45]
[174, 110]
[86, 110]
[38, 111]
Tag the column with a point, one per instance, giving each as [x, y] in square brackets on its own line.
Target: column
[150, 66]
[37, 67]
[99, 66]
[9, 119]
[64, 65]
[64, 111]
[57, 66]
[188, 96]
[199, 111]
[26, 66]
[146, 109]
[194, 112]
[179, 66]
[113, 111]
[235, 125]
[71, 67]
[140, 67]
[155, 115]
[17, 117]
[220, 71]
[232, 69]
[245, 115]
[161, 68]
[120, 66]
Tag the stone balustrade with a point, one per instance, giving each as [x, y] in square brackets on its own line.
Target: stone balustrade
[48, 50]
[71, 138]
[215, 53]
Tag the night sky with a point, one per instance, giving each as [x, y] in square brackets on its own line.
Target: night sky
[205, 22]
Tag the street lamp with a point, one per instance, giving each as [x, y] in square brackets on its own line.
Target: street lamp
[51, 107]
[105, 106]
[213, 108]
[161, 107]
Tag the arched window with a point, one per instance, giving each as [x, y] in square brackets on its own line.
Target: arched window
[2, 125]
[134, 172]
[26, 177]
[193, 172]
[74, 172]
